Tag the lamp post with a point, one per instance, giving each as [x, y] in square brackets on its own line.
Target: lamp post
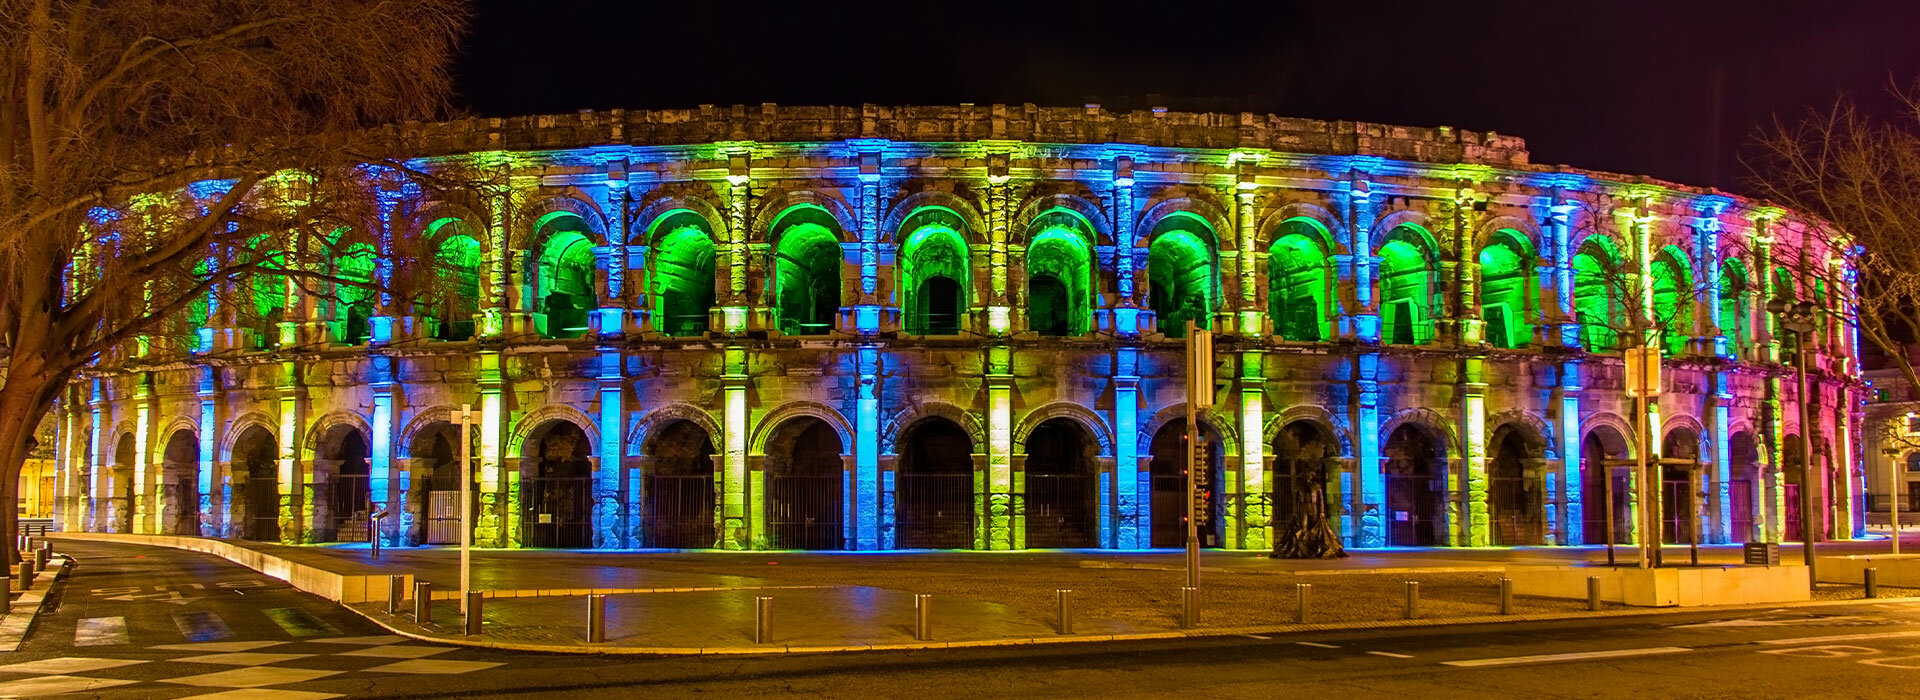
[1798, 318]
[466, 504]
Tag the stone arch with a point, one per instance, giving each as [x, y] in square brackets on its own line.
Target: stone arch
[1319, 415]
[317, 430]
[122, 429]
[1332, 227]
[1434, 423]
[1222, 425]
[1614, 421]
[777, 204]
[773, 419]
[1385, 226]
[474, 214]
[658, 205]
[177, 424]
[1528, 230]
[1611, 244]
[1033, 208]
[570, 201]
[1681, 421]
[1206, 211]
[665, 414]
[422, 420]
[914, 413]
[1536, 430]
[239, 425]
[904, 209]
[539, 417]
[1086, 417]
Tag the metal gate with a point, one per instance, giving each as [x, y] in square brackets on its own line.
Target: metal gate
[348, 500]
[263, 509]
[1740, 499]
[1169, 511]
[679, 511]
[183, 503]
[1676, 509]
[935, 511]
[805, 512]
[556, 512]
[443, 517]
[1410, 511]
[1060, 510]
[1517, 520]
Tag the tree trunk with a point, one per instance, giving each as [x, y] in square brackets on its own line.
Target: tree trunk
[21, 408]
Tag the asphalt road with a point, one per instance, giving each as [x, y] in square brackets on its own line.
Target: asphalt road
[265, 633]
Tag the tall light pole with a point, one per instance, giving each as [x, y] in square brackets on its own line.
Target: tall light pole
[1893, 496]
[466, 504]
[1798, 318]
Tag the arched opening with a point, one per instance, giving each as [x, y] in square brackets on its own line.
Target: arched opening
[1062, 496]
[556, 487]
[341, 493]
[679, 488]
[256, 466]
[1506, 290]
[456, 279]
[180, 484]
[806, 270]
[1305, 455]
[1060, 274]
[1516, 492]
[935, 484]
[1168, 467]
[806, 485]
[1673, 300]
[1796, 476]
[124, 489]
[682, 275]
[1679, 488]
[436, 481]
[267, 306]
[1182, 279]
[1743, 487]
[1299, 282]
[1735, 320]
[1598, 295]
[1605, 466]
[1416, 472]
[1406, 287]
[1784, 290]
[353, 297]
[563, 291]
[934, 272]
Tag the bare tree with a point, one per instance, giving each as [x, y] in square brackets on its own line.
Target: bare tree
[156, 153]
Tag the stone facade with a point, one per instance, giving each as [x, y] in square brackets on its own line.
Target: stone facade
[959, 327]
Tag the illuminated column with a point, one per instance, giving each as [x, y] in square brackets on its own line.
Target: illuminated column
[1707, 241]
[1466, 274]
[1251, 316]
[497, 303]
[608, 532]
[870, 153]
[1371, 500]
[380, 323]
[1843, 480]
[867, 512]
[291, 516]
[1130, 526]
[63, 463]
[1256, 500]
[492, 511]
[1573, 515]
[1366, 313]
[997, 179]
[1005, 511]
[145, 505]
[380, 482]
[1123, 251]
[1558, 228]
[1473, 423]
[739, 528]
[1721, 403]
[613, 312]
[95, 405]
[211, 521]
[1848, 459]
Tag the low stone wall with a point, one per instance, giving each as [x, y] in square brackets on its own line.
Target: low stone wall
[335, 586]
[1673, 587]
[1902, 570]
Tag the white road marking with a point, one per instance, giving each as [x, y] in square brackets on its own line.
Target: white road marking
[1839, 638]
[1391, 655]
[100, 631]
[1256, 636]
[1318, 645]
[1575, 656]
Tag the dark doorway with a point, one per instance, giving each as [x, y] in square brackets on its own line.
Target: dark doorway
[806, 486]
[1679, 492]
[180, 483]
[556, 488]
[1743, 479]
[341, 486]
[1416, 473]
[1048, 309]
[679, 488]
[1168, 466]
[941, 299]
[436, 482]
[1062, 500]
[935, 486]
[254, 456]
[1603, 446]
[125, 493]
[1516, 496]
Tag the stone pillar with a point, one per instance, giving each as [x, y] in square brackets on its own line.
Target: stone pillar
[1255, 495]
[1474, 506]
[1249, 320]
[385, 492]
[1559, 231]
[493, 513]
[212, 521]
[1366, 317]
[1370, 500]
[146, 502]
[1131, 488]
[739, 528]
[1003, 513]
[1573, 512]
[608, 532]
[292, 514]
[1126, 315]
[96, 404]
[868, 511]
[1719, 405]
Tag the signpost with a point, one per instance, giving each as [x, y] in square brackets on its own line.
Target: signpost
[1643, 384]
[1199, 395]
[466, 504]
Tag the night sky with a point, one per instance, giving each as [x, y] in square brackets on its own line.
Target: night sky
[1669, 89]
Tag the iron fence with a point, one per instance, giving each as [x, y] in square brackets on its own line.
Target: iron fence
[805, 512]
[935, 511]
[679, 511]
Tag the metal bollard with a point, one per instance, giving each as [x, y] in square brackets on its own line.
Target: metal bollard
[923, 617]
[6, 592]
[474, 614]
[1064, 597]
[1413, 599]
[1303, 600]
[1593, 593]
[596, 618]
[763, 620]
[26, 574]
[422, 603]
[1872, 581]
[396, 593]
[40, 559]
[1189, 607]
[1506, 596]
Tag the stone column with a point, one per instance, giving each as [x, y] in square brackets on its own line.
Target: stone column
[739, 528]
[385, 492]
[1573, 511]
[868, 510]
[1474, 507]
[1255, 497]
[1131, 485]
[292, 516]
[145, 498]
[1002, 508]
[1371, 499]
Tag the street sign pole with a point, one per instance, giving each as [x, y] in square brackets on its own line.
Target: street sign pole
[1199, 391]
[1893, 496]
[466, 504]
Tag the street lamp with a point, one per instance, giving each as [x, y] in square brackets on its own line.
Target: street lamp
[1798, 318]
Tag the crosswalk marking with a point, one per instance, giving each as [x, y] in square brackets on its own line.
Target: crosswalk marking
[1577, 656]
[1318, 645]
[1390, 655]
[100, 631]
[202, 626]
[298, 622]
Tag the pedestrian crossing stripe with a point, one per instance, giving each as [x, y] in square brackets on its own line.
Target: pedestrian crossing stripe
[100, 631]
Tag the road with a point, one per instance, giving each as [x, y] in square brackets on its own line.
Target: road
[139, 622]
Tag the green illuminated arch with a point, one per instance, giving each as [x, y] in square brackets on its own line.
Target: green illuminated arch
[267, 289]
[1406, 286]
[1181, 274]
[456, 278]
[1299, 282]
[1734, 315]
[353, 298]
[682, 272]
[1672, 294]
[1060, 274]
[564, 297]
[1596, 294]
[1506, 289]
[935, 277]
[806, 265]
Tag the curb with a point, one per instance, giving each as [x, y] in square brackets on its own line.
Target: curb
[386, 621]
[20, 617]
